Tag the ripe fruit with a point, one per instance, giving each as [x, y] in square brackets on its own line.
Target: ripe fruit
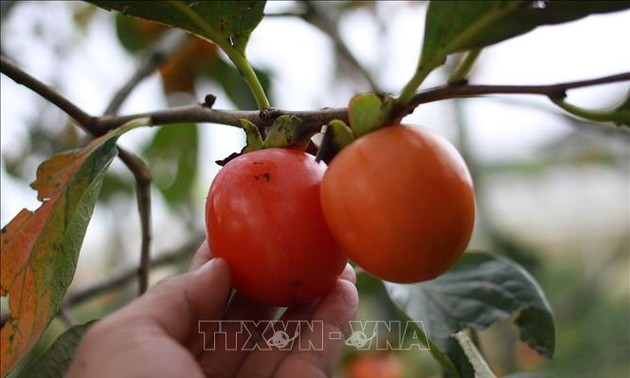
[264, 217]
[400, 202]
[375, 365]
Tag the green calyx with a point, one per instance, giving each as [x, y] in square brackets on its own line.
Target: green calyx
[341, 134]
[253, 138]
[366, 113]
[337, 136]
[369, 112]
[285, 132]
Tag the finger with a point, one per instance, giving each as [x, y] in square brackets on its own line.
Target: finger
[349, 274]
[201, 257]
[334, 313]
[324, 324]
[238, 335]
[264, 361]
[175, 305]
[205, 327]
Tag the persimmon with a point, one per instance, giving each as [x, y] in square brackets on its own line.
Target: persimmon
[375, 365]
[400, 202]
[264, 217]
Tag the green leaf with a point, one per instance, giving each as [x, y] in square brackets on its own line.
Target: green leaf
[479, 290]
[40, 249]
[229, 24]
[172, 155]
[453, 26]
[54, 362]
[130, 36]
[434, 349]
[115, 184]
[224, 22]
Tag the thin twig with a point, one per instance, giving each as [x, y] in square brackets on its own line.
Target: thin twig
[166, 46]
[121, 278]
[142, 176]
[152, 63]
[318, 17]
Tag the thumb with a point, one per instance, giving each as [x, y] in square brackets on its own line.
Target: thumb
[176, 304]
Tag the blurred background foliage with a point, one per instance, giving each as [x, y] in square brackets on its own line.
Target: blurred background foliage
[561, 208]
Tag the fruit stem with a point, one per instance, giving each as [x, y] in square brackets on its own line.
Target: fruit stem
[464, 67]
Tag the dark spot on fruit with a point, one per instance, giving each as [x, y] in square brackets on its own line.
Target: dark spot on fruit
[263, 176]
[297, 283]
[257, 163]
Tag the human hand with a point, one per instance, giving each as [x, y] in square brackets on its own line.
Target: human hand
[161, 334]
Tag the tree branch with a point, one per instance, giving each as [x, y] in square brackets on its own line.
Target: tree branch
[166, 46]
[47, 92]
[142, 176]
[464, 90]
[318, 17]
[137, 167]
[194, 113]
[203, 114]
